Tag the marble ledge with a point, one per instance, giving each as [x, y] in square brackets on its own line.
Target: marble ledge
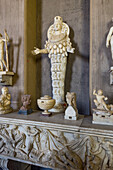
[57, 122]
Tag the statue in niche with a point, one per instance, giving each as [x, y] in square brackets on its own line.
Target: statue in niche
[57, 46]
[5, 101]
[71, 112]
[109, 40]
[2, 61]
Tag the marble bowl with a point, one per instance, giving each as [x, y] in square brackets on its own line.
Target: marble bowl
[46, 103]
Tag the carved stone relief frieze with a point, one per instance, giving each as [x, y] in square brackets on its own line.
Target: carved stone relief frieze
[56, 149]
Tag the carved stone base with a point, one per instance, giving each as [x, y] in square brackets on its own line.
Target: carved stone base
[102, 117]
[25, 112]
[5, 111]
[70, 113]
[6, 78]
[3, 163]
[59, 107]
[66, 145]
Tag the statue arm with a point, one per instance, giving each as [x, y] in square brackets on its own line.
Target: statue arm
[94, 92]
[8, 96]
[4, 40]
[70, 49]
[109, 37]
[38, 51]
[69, 46]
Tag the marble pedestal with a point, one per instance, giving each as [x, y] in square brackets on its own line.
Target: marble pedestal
[102, 117]
[56, 143]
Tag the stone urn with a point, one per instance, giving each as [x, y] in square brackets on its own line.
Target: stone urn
[46, 103]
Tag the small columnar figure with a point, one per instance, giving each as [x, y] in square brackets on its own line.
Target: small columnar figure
[3, 63]
[71, 112]
[26, 101]
[57, 46]
[5, 101]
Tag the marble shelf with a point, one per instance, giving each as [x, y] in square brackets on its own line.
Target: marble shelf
[40, 140]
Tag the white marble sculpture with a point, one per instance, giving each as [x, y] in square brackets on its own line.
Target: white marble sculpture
[57, 46]
[103, 114]
[5, 73]
[5, 101]
[71, 112]
[2, 61]
[109, 40]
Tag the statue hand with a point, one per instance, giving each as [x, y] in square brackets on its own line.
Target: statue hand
[105, 98]
[36, 51]
[94, 91]
[107, 44]
[72, 50]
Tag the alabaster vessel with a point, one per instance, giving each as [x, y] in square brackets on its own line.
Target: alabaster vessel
[46, 103]
[57, 47]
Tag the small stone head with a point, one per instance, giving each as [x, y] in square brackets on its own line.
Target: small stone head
[26, 100]
[58, 23]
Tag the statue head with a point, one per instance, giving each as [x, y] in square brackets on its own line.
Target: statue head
[26, 100]
[100, 92]
[58, 23]
[4, 90]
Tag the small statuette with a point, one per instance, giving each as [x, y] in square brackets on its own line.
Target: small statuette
[5, 101]
[71, 112]
[26, 101]
[103, 114]
[45, 103]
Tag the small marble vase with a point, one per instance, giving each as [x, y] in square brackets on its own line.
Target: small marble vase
[45, 103]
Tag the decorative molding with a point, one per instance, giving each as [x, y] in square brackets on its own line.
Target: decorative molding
[3, 163]
[55, 149]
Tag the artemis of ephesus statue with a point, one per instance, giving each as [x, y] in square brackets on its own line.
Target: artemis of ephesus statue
[57, 46]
